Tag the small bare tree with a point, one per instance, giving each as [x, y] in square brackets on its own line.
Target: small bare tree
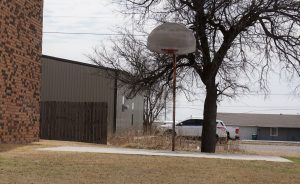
[154, 103]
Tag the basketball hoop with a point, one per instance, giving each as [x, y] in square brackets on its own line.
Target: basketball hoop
[174, 39]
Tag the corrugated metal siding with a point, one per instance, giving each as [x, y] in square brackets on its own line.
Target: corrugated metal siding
[124, 118]
[284, 134]
[69, 82]
[72, 82]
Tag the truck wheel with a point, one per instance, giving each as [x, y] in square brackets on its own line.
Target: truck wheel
[228, 136]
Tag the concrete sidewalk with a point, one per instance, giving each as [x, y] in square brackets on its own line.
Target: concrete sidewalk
[163, 153]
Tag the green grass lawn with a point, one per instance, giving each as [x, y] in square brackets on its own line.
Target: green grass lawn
[24, 164]
[294, 159]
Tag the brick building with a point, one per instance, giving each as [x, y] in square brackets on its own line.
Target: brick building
[20, 70]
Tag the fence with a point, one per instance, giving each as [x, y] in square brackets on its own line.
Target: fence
[74, 121]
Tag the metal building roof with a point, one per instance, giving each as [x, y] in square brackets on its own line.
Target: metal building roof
[260, 120]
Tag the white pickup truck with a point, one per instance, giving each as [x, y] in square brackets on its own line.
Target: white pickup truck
[192, 127]
[233, 132]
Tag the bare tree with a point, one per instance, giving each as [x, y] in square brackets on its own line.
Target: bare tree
[237, 41]
[154, 102]
[136, 66]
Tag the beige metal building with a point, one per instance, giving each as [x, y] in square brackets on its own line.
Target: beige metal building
[71, 81]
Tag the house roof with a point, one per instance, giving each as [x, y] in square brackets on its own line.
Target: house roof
[260, 120]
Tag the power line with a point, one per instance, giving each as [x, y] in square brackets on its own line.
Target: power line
[274, 108]
[261, 110]
[88, 17]
[261, 94]
[82, 33]
[242, 106]
[78, 33]
[246, 111]
[258, 108]
[271, 94]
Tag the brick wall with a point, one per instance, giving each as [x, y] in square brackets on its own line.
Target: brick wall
[20, 70]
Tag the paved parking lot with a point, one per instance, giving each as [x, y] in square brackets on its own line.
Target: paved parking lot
[274, 148]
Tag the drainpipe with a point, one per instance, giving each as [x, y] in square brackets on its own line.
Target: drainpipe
[115, 102]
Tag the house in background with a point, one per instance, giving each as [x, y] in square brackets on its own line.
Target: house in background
[276, 127]
[70, 81]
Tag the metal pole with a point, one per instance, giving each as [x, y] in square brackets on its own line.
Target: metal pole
[174, 100]
[165, 108]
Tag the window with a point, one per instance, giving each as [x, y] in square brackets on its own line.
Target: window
[123, 100]
[273, 131]
[124, 107]
[221, 123]
[198, 122]
[188, 123]
[192, 122]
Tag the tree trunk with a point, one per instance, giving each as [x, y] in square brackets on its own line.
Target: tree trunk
[208, 144]
[146, 128]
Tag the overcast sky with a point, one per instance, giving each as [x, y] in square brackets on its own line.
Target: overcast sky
[102, 17]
